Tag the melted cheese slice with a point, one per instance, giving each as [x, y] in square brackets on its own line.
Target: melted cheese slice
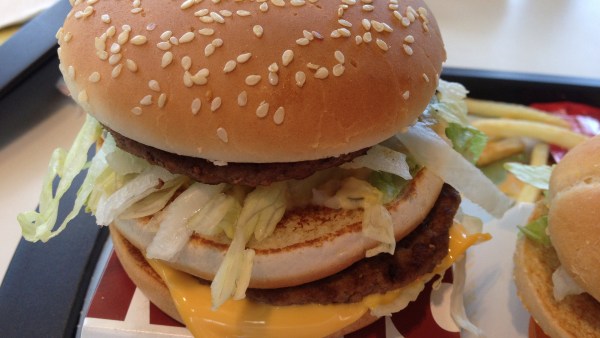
[246, 318]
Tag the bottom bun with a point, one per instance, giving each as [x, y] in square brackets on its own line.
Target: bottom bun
[574, 316]
[153, 287]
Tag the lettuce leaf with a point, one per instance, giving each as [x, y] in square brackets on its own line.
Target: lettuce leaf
[537, 176]
[40, 225]
[466, 140]
[389, 184]
[536, 231]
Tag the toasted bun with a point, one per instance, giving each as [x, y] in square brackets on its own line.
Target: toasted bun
[307, 244]
[153, 287]
[574, 316]
[574, 216]
[163, 74]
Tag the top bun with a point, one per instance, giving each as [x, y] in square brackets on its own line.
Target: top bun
[252, 81]
[574, 216]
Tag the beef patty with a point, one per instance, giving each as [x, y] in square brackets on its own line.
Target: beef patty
[415, 255]
[249, 174]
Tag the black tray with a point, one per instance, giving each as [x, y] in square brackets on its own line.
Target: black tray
[44, 288]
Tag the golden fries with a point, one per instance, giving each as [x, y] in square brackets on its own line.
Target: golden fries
[539, 156]
[512, 111]
[498, 149]
[541, 131]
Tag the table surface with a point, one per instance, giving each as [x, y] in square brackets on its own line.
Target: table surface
[532, 36]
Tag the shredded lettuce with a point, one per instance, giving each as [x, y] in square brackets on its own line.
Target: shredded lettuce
[535, 175]
[390, 185]
[466, 140]
[377, 224]
[147, 182]
[38, 226]
[384, 159]
[448, 105]
[457, 305]
[536, 231]
[564, 284]
[263, 208]
[209, 219]
[173, 232]
[431, 151]
[156, 201]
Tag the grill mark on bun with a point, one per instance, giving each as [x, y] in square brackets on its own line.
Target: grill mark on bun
[415, 255]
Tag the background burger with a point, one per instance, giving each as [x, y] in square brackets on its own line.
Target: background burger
[249, 163]
[556, 268]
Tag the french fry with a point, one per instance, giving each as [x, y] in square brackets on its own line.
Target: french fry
[512, 111]
[500, 148]
[539, 156]
[541, 131]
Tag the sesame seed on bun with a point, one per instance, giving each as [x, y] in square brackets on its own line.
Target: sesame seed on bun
[246, 81]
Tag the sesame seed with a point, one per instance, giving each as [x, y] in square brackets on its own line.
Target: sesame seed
[344, 23]
[407, 49]
[262, 110]
[222, 134]
[116, 71]
[162, 100]
[68, 36]
[209, 49]
[258, 30]
[273, 78]
[131, 65]
[382, 45]
[358, 39]
[146, 100]
[82, 96]
[94, 77]
[425, 77]
[338, 70]
[229, 66]
[279, 3]
[114, 59]
[300, 79]
[368, 8]
[206, 31]
[366, 24]
[202, 12]
[187, 79]
[105, 18]
[217, 17]
[164, 45]
[242, 99]
[196, 105]
[138, 40]
[308, 35]
[287, 57]
[297, 2]
[409, 39]
[215, 104]
[367, 37]
[126, 28]
[136, 111]
[217, 42]
[252, 80]
[242, 13]
[339, 56]
[186, 62]
[187, 37]
[243, 58]
[406, 95]
[123, 37]
[115, 48]
[111, 31]
[136, 10]
[153, 84]
[151, 26]
[167, 58]
[322, 73]
[187, 4]
[279, 116]
[263, 7]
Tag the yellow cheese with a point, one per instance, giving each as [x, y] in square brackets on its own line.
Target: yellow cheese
[250, 319]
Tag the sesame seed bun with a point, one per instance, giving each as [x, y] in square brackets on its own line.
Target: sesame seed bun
[574, 216]
[195, 79]
[307, 245]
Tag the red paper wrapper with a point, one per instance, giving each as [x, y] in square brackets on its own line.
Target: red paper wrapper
[118, 308]
[584, 119]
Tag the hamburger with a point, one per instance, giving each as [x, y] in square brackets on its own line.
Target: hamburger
[556, 265]
[249, 163]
